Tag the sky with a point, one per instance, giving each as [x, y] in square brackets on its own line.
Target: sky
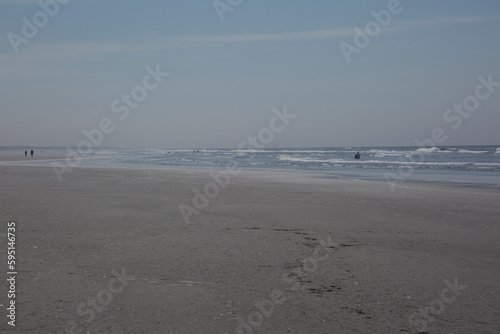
[354, 73]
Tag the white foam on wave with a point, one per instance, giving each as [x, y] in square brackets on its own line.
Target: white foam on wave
[307, 151]
[153, 152]
[164, 152]
[105, 152]
[471, 152]
[388, 153]
[386, 163]
[243, 152]
[450, 150]
[283, 157]
[248, 150]
[430, 150]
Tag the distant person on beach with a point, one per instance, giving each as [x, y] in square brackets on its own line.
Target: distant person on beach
[25, 153]
[31, 153]
[357, 156]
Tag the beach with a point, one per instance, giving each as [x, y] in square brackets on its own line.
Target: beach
[117, 250]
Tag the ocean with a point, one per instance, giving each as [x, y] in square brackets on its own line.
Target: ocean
[478, 165]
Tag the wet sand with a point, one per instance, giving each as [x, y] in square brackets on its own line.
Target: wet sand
[108, 251]
[14, 159]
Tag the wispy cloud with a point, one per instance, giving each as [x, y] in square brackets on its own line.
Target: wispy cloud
[79, 50]
[466, 19]
[412, 24]
[300, 35]
[330, 33]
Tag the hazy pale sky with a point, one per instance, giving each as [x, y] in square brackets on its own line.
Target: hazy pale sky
[67, 65]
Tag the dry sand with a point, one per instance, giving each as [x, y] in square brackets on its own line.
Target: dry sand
[271, 253]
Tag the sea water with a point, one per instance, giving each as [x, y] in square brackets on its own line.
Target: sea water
[458, 164]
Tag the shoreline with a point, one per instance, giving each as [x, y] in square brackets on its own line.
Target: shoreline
[335, 173]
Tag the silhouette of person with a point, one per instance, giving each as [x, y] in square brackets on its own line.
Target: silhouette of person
[25, 153]
[357, 156]
[32, 153]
